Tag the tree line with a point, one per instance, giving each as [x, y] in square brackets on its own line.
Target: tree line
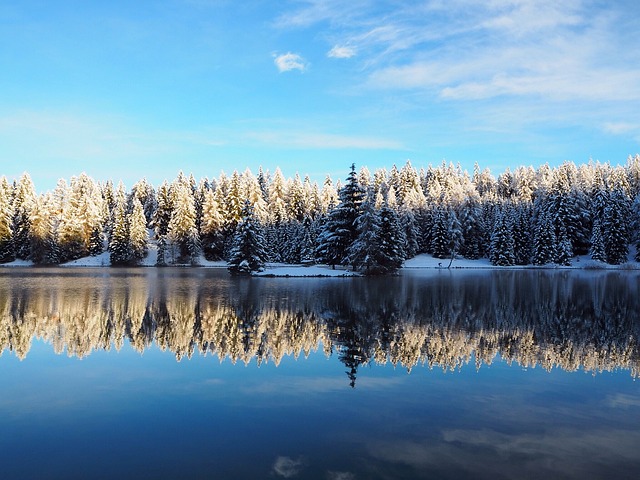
[372, 222]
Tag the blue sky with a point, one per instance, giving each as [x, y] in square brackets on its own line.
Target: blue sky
[125, 90]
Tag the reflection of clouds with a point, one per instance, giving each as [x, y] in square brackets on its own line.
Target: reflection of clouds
[318, 385]
[287, 467]
[340, 476]
[621, 400]
[559, 453]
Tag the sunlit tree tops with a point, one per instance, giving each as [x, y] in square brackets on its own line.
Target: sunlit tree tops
[442, 210]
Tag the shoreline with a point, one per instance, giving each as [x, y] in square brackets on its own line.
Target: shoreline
[420, 262]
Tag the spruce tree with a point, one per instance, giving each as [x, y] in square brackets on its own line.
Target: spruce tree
[181, 230]
[248, 253]
[339, 230]
[597, 243]
[544, 241]
[7, 252]
[502, 244]
[364, 252]
[138, 235]
[23, 200]
[390, 241]
[440, 247]
[119, 246]
[616, 229]
[211, 228]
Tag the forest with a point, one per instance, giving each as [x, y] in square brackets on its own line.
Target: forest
[370, 222]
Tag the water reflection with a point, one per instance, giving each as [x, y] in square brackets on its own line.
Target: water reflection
[571, 320]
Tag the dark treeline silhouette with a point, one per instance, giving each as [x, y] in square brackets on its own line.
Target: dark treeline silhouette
[372, 222]
[536, 318]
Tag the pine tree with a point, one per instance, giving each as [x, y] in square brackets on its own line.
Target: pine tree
[248, 253]
[390, 241]
[119, 247]
[470, 218]
[364, 252]
[522, 234]
[339, 230]
[440, 247]
[7, 252]
[564, 249]
[163, 212]
[181, 231]
[615, 228]
[411, 232]
[502, 244]
[597, 242]
[23, 199]
[544, 242]
[138, 235]
[211, 228]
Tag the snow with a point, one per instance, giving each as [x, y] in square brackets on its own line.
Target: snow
[285, 270]
[423, 261]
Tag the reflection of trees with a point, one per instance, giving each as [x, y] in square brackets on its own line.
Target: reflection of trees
[565, 320]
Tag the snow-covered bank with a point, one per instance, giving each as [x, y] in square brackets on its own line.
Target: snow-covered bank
[423, 261]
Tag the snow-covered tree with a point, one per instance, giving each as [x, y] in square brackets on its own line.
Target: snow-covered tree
[181, 231]
[212, 228]
[502, 244]
[138, 235]
[44, 245]
[24, 196]
[544, 241]
[339, 231]
[615, 228]
[7, 251]
[597, 242]
[248, 253]
[364, 252]
[119, 246]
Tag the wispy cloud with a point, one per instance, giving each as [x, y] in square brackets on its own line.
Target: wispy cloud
[561, 452]
[473, 49]
[287, 62]
[341, 51]
[287, 467]
[298, 139]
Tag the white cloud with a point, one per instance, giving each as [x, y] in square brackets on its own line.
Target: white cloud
[287, 467]
[340, 475]
[290, 61]
[341, 52]
[621, 128]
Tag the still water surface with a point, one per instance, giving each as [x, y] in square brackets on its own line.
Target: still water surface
[171, 373]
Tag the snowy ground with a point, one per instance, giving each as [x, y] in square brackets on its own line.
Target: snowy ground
[284, 270]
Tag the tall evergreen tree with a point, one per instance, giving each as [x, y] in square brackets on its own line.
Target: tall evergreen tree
[248, 253]
[119, 246]
[339, 230]
[24, 196]
[544, 242]
[7, 251]
[181, 231]
[211, 228]
[439, 234]
[616, 228]
[138, 235]
[502, 244]
[597, 243]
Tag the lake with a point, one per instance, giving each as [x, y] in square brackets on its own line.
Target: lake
[434, 374]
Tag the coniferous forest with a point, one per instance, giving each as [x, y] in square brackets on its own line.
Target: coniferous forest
[371, 222]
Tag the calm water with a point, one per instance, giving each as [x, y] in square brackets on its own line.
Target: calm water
[171, 373]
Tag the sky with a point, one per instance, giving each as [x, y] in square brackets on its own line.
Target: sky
[123, 90]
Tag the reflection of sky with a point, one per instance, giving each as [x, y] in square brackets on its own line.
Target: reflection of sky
[122, 414]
